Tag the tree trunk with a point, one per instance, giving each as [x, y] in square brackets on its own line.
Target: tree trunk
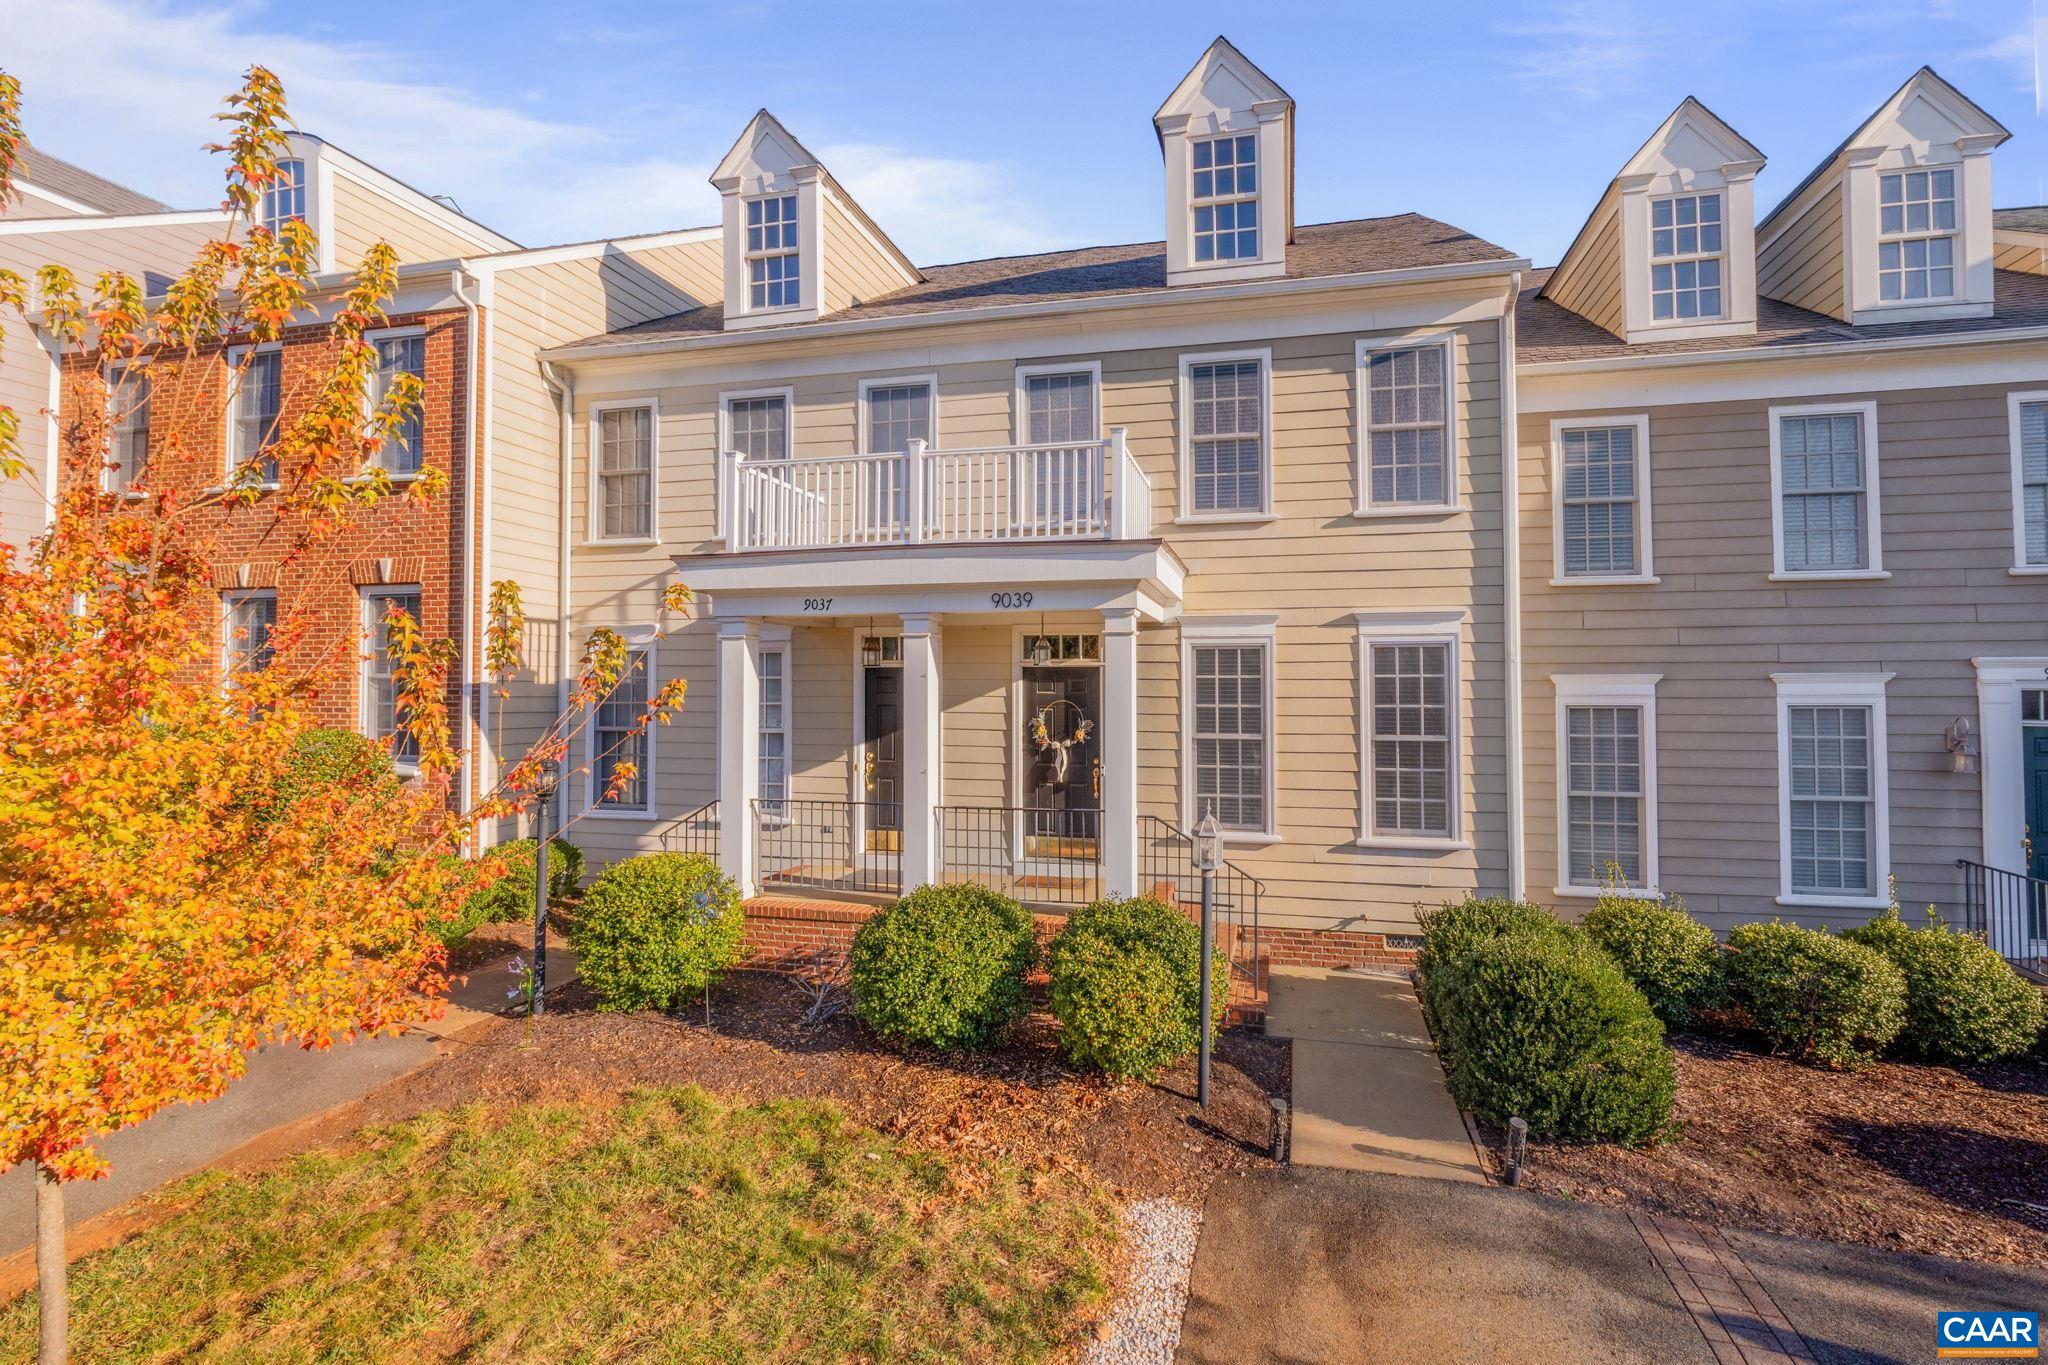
[52, 1295]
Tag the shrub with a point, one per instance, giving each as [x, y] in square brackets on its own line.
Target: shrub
[1963, 1002]
[943, 966]
[510, 897]
[1126, 980]
[1451, 931]
[1672, 958]
[324, 759]
[1814, 994]
[1545, 1027]
[654, 932]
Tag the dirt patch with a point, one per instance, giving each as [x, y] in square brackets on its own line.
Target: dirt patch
[1143, 1141]
[1949, 1161]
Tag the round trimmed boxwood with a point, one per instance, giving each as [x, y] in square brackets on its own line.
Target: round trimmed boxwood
[1814, 994]
[943, 966]
[1964, 1003]
[1108, 970]
[654, 932]
[1450, 931]
[1546, 1028]
[325, 759]
[1672, 958]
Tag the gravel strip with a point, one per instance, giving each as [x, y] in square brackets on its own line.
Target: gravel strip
[1145, 1326]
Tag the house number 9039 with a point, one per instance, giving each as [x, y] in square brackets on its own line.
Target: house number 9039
[1000, 600]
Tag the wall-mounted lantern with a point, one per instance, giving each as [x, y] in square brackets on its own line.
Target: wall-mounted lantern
[1961, 743]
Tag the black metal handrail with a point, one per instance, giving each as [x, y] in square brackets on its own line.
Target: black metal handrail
[2010, 909]
[1036, 855]
[1166, 871]
[830, 845]
[696, 832]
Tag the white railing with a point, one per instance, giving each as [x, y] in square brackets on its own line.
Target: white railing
[1091, 490]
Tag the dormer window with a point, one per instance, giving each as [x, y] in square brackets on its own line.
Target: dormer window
[1916, 245]
[1226, 198]
[774, 277]
[1686, 243]
[284, 199]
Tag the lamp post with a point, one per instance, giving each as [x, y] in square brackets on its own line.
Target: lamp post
[543, 817]
[1208, 857]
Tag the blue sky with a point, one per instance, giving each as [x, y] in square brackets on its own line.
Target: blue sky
[979, 129]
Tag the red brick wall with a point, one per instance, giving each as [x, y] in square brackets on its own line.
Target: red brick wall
[1335, 948]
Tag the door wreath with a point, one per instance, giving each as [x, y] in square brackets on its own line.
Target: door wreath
[1042, 734]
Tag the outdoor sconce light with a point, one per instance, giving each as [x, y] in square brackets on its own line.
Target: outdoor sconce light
[1041, 651]
[1961, 744]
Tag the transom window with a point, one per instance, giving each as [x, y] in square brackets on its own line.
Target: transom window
[1226, 188]
[249, 621]
[773, 274]
[258, 407]
[1227, 435]
[1409, 715]
[384, 715]
[2031, 482]
[1603, 758]
[1823, 488]
[625, 473]
[618, 740]
[284, 199]
[1407, 426]
[774, 779]
[758, 428]
[1828, 759]
[2034, 704]
[128, 404]
[1061, 649]
[405, 452]
[1685, 257]
[1230, 732]
[1599, 502]
[1916, 248]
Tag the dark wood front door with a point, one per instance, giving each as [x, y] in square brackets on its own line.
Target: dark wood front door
[1063, 801]
[882, 749]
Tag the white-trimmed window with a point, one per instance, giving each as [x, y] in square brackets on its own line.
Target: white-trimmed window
[774, 741]
[128, 391]
[757, 426]
[1601, 477]
[1833, 825]
[774, 277]
[895, 412]
[248, 618]
[622, 440]
[1407, 425]
[400, 353]
[1225, 198]
[256, 409]
[2028, 417]
[618, 738]
[1606, 783]
[384, 716]
[1061, 406]
[1686, 246]
[285, 199]
[1824, 510]
[1227, 681]
[1916, 242]
[1226, 418]
[1408, 729]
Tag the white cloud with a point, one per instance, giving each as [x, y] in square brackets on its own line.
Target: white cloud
[1584, 48]
[940, 208]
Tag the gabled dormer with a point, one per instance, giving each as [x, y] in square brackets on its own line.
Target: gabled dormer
[1895, 226]
[350, 204]
[1227, 132]
[797, 246]
[1668, 252]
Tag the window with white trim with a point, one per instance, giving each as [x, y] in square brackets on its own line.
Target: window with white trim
[774, 743]
[1833, 825]
[1606, 782]
[1226, 436]
[1916, 244]
[258, 410]
[1225, 197]
[1825, 509]
[1060, 410]
[401, 353]
[758, 428]
[2030, 481]
[774, 278]
[625, 473]
[898, 414]
[618, 740]
[248, 619]
[128, 391]
[1686, 245]
[1408, 436]
[1230, 732]
[384, 715]
[284, 199]
[1600, 499]
[1410, 719]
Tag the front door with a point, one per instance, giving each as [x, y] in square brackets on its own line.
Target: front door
[1062, 761]
[882, 755]
[2036, 741]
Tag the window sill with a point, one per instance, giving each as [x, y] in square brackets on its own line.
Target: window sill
[1248, 839]
[1802, 902]
[1833, 576]
[2028, 570]
[608, 813]
[1633, 580]
[620, 543]
[389, 478]
[1589, 893]
[1382, 843]
[1434, 509]
[1225, 518]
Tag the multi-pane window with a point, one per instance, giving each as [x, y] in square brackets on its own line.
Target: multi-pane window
[897, 415]
[773, 279]
[384, 715]
[1230, 734]
[618, 739]
[1822, 488]
[285, 198]
[406, 449]
[625, 473]
[128, 411]
[1604, 795]
[774, 747]
[1059, 409]
[2031, 481]
[758, 428]
[1598, 502]
[1407, 425]
[1916, 246]
[1685, 257]
[1226, 198]
[248, 622]
[258, 404]
[1226, 436]
[1832, 799]
[1409, 713]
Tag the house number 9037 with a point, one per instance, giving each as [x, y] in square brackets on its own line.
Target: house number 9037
[1009, 599]
[817, 604]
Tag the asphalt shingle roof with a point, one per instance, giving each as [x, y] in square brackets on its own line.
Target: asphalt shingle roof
[75, 182]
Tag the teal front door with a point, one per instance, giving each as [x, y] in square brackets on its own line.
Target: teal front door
[2036, 743]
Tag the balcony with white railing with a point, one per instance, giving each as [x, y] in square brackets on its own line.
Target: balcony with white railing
[1086, 491]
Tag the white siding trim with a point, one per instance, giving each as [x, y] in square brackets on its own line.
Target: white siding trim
[2019, 502]
[594, 510]
[1837, 689]
[1646, 570]
[1263, 630]
[1453, 500]
[1376, 628]
[1873, 517]
[1184, 426]
[1607, 689]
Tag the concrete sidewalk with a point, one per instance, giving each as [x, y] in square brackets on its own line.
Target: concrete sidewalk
[1369, 1093]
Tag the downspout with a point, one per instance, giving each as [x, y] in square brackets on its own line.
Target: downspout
[53, 435]
[458, 281]
[564, 387]
[1511, 604]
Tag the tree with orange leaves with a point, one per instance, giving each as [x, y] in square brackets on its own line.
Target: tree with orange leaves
[159, 916]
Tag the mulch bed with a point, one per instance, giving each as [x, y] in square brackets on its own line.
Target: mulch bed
[1142, 1141]
[1950, 1161]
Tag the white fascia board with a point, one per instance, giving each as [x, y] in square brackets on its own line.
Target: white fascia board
[1809, 350]
[18, 227]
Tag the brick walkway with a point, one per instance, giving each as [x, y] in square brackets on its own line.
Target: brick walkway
[1735, 1314]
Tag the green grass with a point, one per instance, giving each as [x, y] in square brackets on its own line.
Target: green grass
[675, 1226]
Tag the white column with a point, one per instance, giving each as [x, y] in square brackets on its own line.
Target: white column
[921, 706]
[739, 747]
[1119, 750]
